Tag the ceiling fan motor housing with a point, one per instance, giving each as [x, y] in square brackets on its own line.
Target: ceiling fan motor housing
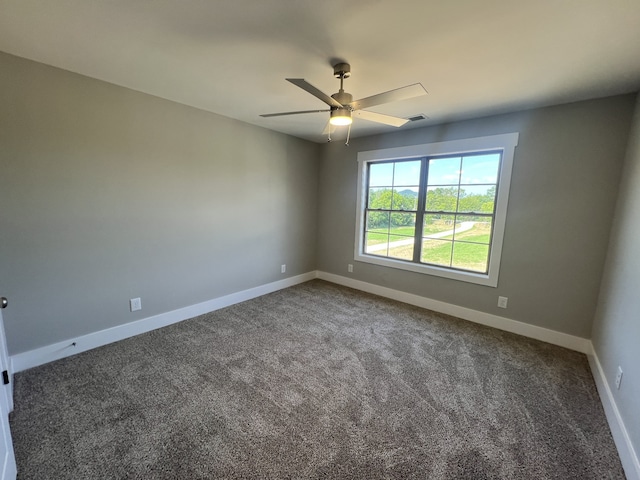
[342, 97]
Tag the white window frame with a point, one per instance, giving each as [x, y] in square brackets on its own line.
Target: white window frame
[506, 143]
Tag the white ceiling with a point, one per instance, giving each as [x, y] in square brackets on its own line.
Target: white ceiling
[231, 56]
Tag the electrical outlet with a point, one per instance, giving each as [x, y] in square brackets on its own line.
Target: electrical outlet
[619, 377]
[502, 302]
[283, 268]
[135, 304]
[350, 268]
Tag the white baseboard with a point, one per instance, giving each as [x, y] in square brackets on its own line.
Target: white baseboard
[571, 342]
[56, 351]
[628, 455]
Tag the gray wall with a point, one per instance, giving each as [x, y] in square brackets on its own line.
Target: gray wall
[564, 186]
[108, 194]
[616, 332]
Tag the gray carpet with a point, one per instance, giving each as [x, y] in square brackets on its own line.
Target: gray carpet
[315, 381]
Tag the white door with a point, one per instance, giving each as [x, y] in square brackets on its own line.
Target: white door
[7, 460]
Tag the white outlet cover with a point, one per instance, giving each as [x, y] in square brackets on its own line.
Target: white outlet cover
[135, 304]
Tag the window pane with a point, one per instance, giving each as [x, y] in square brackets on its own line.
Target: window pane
[403, 224]
[477, 198]
[442, 199]
[437, 252]
[376, 243]
[438, 226]
[444, 171]
[405, 199]
[377, 235]
[380, 198]
[480, 168]
[380, 174]
[401, 247]
[473, 229]
[470, 256]
[407, 174]
[378, 221]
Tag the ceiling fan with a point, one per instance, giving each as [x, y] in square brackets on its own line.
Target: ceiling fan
[343, 108]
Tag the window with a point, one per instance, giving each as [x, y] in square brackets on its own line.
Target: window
[436, 208]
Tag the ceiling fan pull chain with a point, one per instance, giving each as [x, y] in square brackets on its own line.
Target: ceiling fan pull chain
[348, 135]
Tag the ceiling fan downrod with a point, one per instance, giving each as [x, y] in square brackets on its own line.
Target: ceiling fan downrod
[342, 71]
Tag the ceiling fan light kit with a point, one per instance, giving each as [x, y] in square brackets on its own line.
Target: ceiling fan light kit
[340, 117]
[342, 104]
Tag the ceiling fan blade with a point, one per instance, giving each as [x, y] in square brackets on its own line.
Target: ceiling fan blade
[292, 113]
[402, 93]
[380, 118]
[307, 87]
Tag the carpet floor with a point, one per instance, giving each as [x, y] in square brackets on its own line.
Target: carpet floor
[315, 381]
